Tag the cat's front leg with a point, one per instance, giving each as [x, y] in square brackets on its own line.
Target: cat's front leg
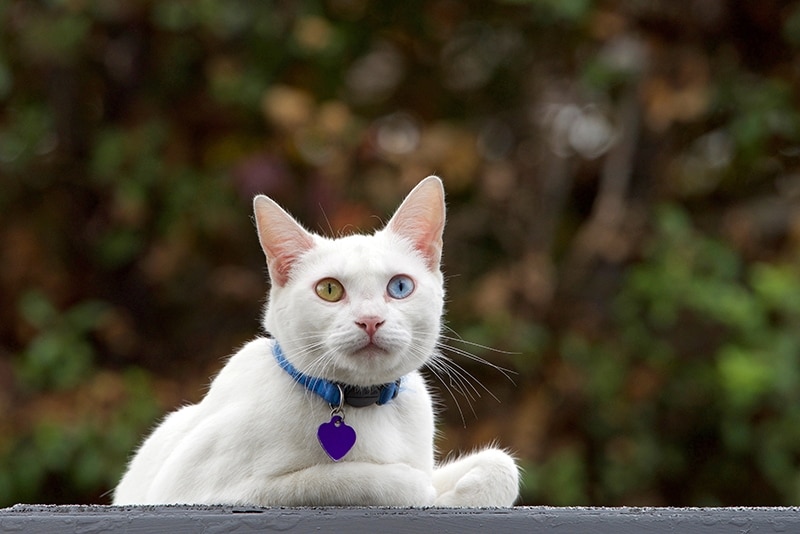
[488, 478]
[350, 484]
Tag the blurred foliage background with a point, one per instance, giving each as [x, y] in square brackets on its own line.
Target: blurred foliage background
[624, 193]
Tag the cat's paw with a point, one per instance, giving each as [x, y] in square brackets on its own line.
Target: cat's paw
[409, 487]
[488, 478]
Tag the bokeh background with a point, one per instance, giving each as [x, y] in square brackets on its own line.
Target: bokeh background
[623, 184]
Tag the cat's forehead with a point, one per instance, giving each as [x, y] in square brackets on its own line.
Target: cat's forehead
[360, 255]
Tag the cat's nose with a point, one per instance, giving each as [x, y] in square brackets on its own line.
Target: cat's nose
[370, 325]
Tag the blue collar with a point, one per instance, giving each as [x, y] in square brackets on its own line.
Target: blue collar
[355, 396]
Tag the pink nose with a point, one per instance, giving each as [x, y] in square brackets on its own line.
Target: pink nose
[370, 325]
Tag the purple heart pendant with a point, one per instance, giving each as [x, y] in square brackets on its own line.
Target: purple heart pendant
[336, 438]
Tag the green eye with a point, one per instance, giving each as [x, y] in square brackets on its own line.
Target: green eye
[330, 289]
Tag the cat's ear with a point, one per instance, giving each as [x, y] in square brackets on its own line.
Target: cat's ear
[420, 219]
[282, 239]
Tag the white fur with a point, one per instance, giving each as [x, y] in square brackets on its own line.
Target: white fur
[252, 439]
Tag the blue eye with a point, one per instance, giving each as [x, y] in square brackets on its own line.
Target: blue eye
[400, 286]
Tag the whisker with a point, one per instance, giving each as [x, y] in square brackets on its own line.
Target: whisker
[466, 376]
[460, 339]
[457, 377]
[436, 372]
[465, 353]
[325, 215]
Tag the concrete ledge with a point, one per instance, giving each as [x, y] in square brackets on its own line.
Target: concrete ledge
[180, 519]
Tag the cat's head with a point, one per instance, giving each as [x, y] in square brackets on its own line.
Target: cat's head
[360, 309]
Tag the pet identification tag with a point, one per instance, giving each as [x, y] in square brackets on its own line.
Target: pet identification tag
[336, 437]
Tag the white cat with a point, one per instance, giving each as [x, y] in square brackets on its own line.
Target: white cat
[357, 315]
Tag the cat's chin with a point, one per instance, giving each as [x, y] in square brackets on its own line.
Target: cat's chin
[372, 364]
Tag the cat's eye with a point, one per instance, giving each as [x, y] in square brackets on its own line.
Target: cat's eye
[400, 286]
[330, 289]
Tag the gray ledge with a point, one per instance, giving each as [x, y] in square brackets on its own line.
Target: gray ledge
[180, 519]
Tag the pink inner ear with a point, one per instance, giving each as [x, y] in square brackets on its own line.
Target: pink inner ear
[426, 240]
[282, 239]
[280, 265]
[420, 219]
